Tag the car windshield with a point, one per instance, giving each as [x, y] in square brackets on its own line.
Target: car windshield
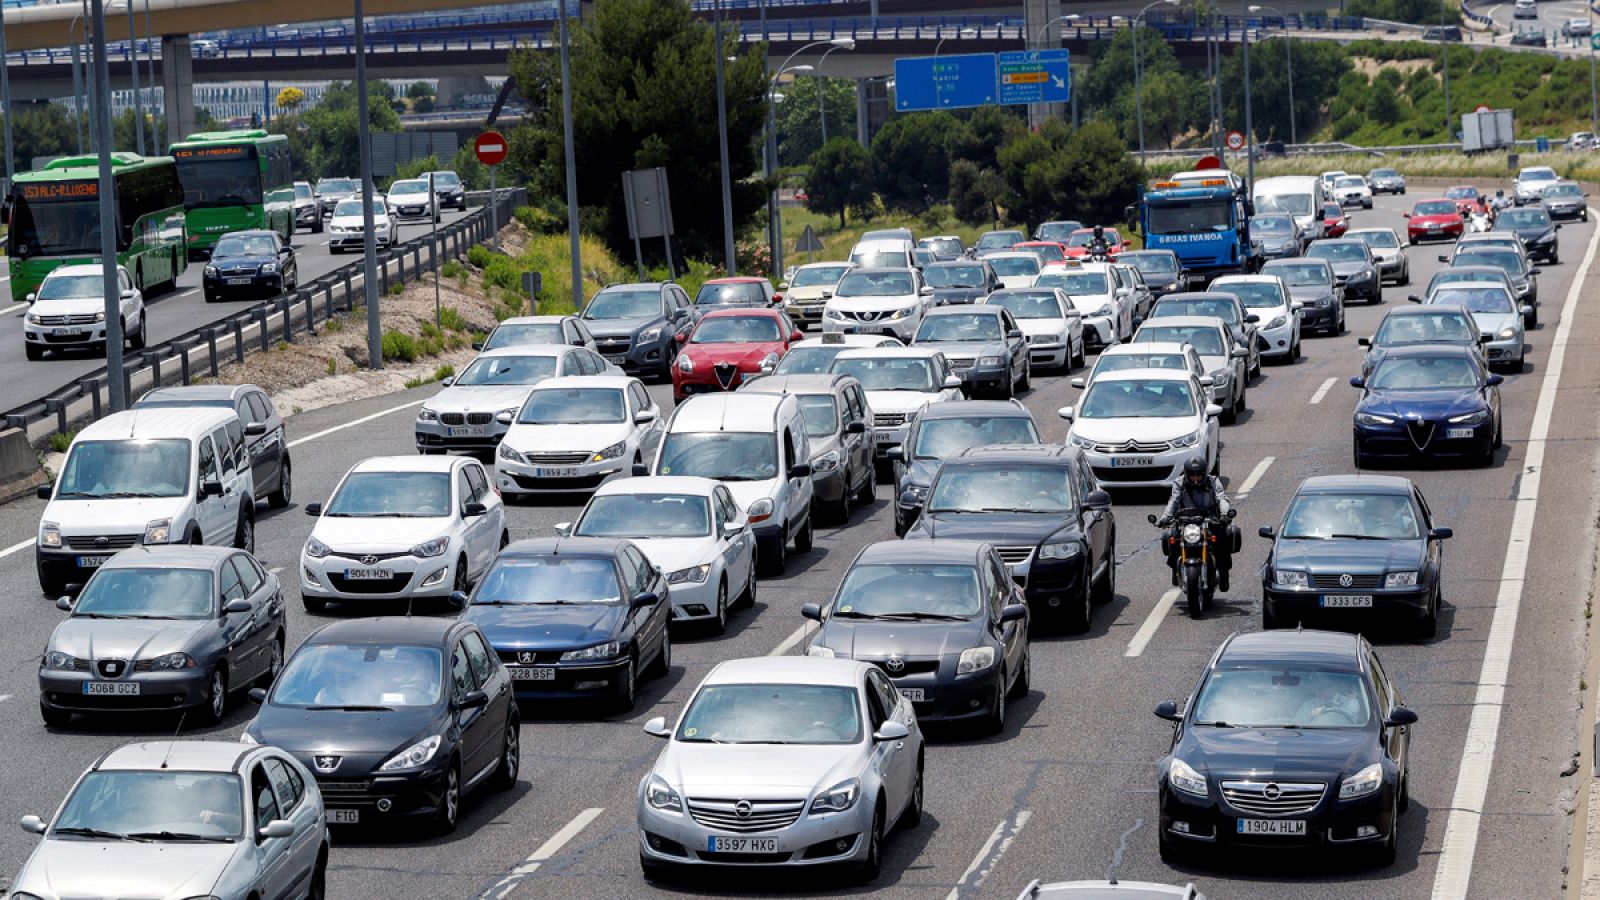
[1046, 252]
[1002, 488]
[1301, 275]
[121, 469]
[1488, 298]
[743, 293]
[1385, 239]
[945, 247]
[997, 240]
[1083, 238]
[875, 284]
[1462, 193]
[1205, 339]
[1027, 305]
[1434, 208]
[367, 676]
[644, 516]
[302, 191]
[1508, 261]
[1153, 263]
[408, 187]
[1283, 697]
[491, 370]
[883, 259]
[1451, 328]
[807, 360]
[1382, 173]
[1272, 225]
[1337, 252]
[147, 594]
[1531, 217]
[1015, 265]
[1254, 294]
[1373, 516]
[821, 414]
[1537, 175]
[254, 245]
[890, 373]
[1424, 374]
[624, 305]
[772, 714]
[72, 287]
[549, 581]
[165, 805]
[737, 330]
[942, 438]
[909, 589]
[1491, 276]
[1563, 190]
[955, 276]
[352, 208]
[1137, 400]
[1223, 308]
[574, 406]
[446, 179]
[956, 327]
[336, 186]
[812, 276]
[1075, 282]
[724, 455]
[1057, 231]
[1291, 204]
[531, 333]
[406, 495]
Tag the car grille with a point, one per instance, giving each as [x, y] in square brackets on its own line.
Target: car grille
[760, 815]
[1254, 797]
[477, 418]
[67, 320]
[237, 272]
[1015, 556]
[563, 458]
[907, 666]
[111, 668]
[368, 559]
[102, 542]
[888, 420]
[1132, 473]
[344, 786]
[1333, 582]
[391, 585]
[864, 316]
[613, 345]
[1421, 433]
[1134, 447]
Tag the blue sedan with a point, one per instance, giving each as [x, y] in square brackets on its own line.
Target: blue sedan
[1428, 401]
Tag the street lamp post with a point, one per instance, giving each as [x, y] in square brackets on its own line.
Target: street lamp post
[965, 32]
[774, 215]
[133, 69]
[150, 72]
[116, 385]
[1444, 56]
[822, 100]
[1288, 57]
[1138, 70]
[722, 149]
[369, 235]
[572, 163]
[1594, 91]
[5, 99]
[1249, 114]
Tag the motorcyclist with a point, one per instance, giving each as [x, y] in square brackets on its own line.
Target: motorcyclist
[1098, 246]
[1198, 490]
[1500, 201]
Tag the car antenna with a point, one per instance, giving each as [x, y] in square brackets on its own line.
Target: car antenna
[174, 742]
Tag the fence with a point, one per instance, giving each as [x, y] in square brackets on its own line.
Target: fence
[204, 350]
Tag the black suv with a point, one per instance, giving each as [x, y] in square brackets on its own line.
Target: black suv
[636, 326]
[264, 435]
[248, 265]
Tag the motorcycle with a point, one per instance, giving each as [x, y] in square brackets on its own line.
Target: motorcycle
[1191, 542]
[1479, 223]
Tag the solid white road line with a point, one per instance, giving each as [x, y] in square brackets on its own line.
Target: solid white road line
[1322, 391]
[19, 545]
[798, 635]
[1142, 637]
[989, 855]
[1254, 477]
[14, 309]
[1477, 756]
[354, 422]
[4, 697]
[546, 850]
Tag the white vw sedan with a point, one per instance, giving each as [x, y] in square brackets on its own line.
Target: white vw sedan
[575, 434]
[1137, 427]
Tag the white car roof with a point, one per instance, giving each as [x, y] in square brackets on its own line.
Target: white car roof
[536, 320]
[181, 756]
[1257, 279]
[158, 423]
[1389, 231]
[1470, 285]
[1143, 347]
[80, 269]
[736, 411]
[788, 670]
[829, 264]
[525, 350]
[659, 484]
[850, 340]
[1012, 254]
[1145, 375]
[407, 464]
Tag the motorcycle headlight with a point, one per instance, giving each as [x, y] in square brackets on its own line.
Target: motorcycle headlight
[1507, 334]
[825, 462]
[427, 415]
[49, 535]
[1182, 777]
[685, 365]
[172, 662]
[838, 798]
[1058, 550]
[1080, 441]
[211, 272]
[1192, 533]
[611, 452]
[1362, 783]
[1287, 579]
[1189, 440]
[650, 335]
[760, 511]
[413, 756]
[1277, 322]
[316, 549]
[55, 659]
[975, 659]
[435, 547]
[1373, 419]
[269, 268]
[820, 651]
[510, 454]
[1472, 418]
[1400, 580]
[599, 651]
[660, 795]
[691, 575]
[1102, 311]
[158, 531]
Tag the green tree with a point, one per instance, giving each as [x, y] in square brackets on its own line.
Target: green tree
[987, 128]
[1085, 170]
[420, 89]
[1414, 12]
[41, 130]
[422, 105]
[975, 192]
[912, 162]
[332, 128]
[800, 121]
[294, 128]
[1172, 104]
[840, 178]
[1318, 66]
[1111, 69]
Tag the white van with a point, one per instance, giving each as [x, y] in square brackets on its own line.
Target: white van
[884, 253]
[1300, 196]
[756, 444]
[146, 476]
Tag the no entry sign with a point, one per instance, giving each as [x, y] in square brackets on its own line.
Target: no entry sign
[490, 148]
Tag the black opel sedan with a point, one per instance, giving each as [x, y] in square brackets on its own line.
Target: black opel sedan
[250, 264]
[1293, 739]
[942, 618]
[1046, 515]
[397, 717]
[1352, 548]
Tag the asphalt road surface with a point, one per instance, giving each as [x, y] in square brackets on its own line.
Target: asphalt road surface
[1552, 15]
[1068, 791]
[177, 312]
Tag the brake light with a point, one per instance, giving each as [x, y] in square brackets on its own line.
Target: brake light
[1167, 184]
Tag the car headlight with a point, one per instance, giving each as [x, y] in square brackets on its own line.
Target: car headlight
[172, 661]
[598, 651]
[1367, 274]
[1362, 783]
[55, 659]
[99, 317]
[413, 756]
[1507, 334]
[649, 335]
[920, 491]
[1058, 550]
[1373, 419]
[838, 798]
[991, 362]
[1277, 322]
[32, 319]
[317, 549]
[832, 313]
[899, 314]
[685, 364]
[435, 547]
[510, 454]
[769, 362]
[49, 535]
[820, 651]
[269, 268]
[1080, 441]
[1189, 440]
[1472, 418]
[660, 795]
[691, 575]
[210, 272]
[427, 415]
[1182, 777]
[1288, 579]
[1324, 300]
[1400, 579]
[825, 462]
[1102, 311]
[611, 452]
[1524, 288]
[975, 659]
[760, 511]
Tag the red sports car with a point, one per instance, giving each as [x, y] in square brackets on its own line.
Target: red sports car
[726, 346]
[1467, 199]
[1434, 220]
[1078, 243]
[1334, 223]
[1048, 251]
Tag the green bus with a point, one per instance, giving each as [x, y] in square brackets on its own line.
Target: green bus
[53, 216]
[234, 181]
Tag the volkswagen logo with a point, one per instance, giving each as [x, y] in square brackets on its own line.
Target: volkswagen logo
[368, 560]
[326, 763]
[742, 809]
[895, 665]
[1346, 581]
[526, 656]
[1272, 792]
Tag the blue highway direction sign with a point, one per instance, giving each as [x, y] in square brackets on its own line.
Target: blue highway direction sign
[1035, 76]
[945, 82]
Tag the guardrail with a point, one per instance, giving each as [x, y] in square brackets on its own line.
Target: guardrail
[1337, 148]
[202, 351]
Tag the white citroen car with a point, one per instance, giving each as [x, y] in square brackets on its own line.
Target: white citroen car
[690, 528]
[878, 301]
[900, 382]
[474, 410]
[402, 526]
[1137, 427]
[575, 434]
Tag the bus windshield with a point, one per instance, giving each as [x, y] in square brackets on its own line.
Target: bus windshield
[216, 182]
[53, 227]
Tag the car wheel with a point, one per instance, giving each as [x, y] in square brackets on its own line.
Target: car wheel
[1405, 791]
[869, 487]
[774, 555]
[1170, 851]
[505, 776]
[627, 687]
[1106, 589]
[52, 586]
[319, 877]
[1294, 348]
[460, 583]
[216, 705]
[1499, 438]
[1383, 856]
[1531, 319]
[444, 820]
[1081, 610]
[1027, 376]
[54, 718]
[663, 661]
[806, 538]
[719, 624]
[995, 722]
[1339, 327]
[1428, 625]
[1269, 619]
[1024, 681]
[245, 537]
[871, 866]
[140, 337]
[275, 665]
[748, 598]
[32, 352]
[912, 817]
[1358, 458]
[280, 498]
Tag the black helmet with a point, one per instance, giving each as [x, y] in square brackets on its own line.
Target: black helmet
[1099, 231]
[1195, 466]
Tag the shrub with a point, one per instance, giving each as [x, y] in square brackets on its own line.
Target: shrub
[479, 256]
[396, 289]
[452, 269]
[452, 320]
[401, 346]
[333, 366]
[61, 440]
[443, 372]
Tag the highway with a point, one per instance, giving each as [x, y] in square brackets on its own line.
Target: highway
[177, 312]
[1552, 15]
[1068, 791]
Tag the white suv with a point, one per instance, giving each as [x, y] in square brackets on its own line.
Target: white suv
[69, 311]
[878, 301]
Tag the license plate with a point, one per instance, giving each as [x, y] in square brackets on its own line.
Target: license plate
[112, 688]
[555, 472]
[70, 332]
[240, 280]
[1273, 827]
[541, 674]
[1434, 226]
[468, 431]
[342, 816]
[1133, 461]
[616, 359]
[741, 845]
[915, 695]
[92, 562]
[1458, 432]
[868, 329]
[368, 574]
[1347, 601]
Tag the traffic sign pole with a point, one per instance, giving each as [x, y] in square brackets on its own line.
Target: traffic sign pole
[491, 149]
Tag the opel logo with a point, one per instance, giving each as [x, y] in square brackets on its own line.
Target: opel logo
[895, 665]
[1345, 581]
[326, 763]
[526, 656]
[368, 560]
[742, 809]
[1272, 792]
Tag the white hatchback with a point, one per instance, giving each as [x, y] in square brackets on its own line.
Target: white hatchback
[1137, 427]
[69, 311]
[347, 228]
[575, 434]
[1053, 326]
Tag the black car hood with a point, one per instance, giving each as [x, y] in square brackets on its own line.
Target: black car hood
[958, 294]
[534, 626]
[1325, 755]
[305, 731]
[618, 327]
[1532, 232]
[1348, 267]
[998, 528]
[1309, 293]
[878, 639]
[1346, 556]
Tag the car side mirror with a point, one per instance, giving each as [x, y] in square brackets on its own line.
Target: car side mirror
[1076, 381]
[952, 381]
[1168, 709]
[657, 727]
[564, 529]
[1097, 499]
[643, 599]
[1239, 352]
[32, 825]
[1067, 412]
[680, 337]
[474, 699]
[1535, 270]
[1213, 410]
[235, 607]
[856, 427]
[1363, 342]
[891, 731]
[1014, 334]
[800, 470]
[1251, 319]
[1399, 717]
[286, 251]
[447, 380]
[30, 298]
[1268, 532]
[1495, 379]
[1207, 381]
[926, 291]
[1444, 258]
[64, 603]
[733, 529]
[811, 611]
[1296, 306]
[505, 418]
[258, 695]
[910, 499]
[313, 509]
[796, 335]
[255, 429]
[644, 416]
[1013, 612]
[43, 491]
[1527, 309]
[640, 470]
[783, 285]
[473, 510]
[1442, 534]
[278, 828]
[458, 599]
[129, 294]
[895, 454]
[211, 489]
[477, 345]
